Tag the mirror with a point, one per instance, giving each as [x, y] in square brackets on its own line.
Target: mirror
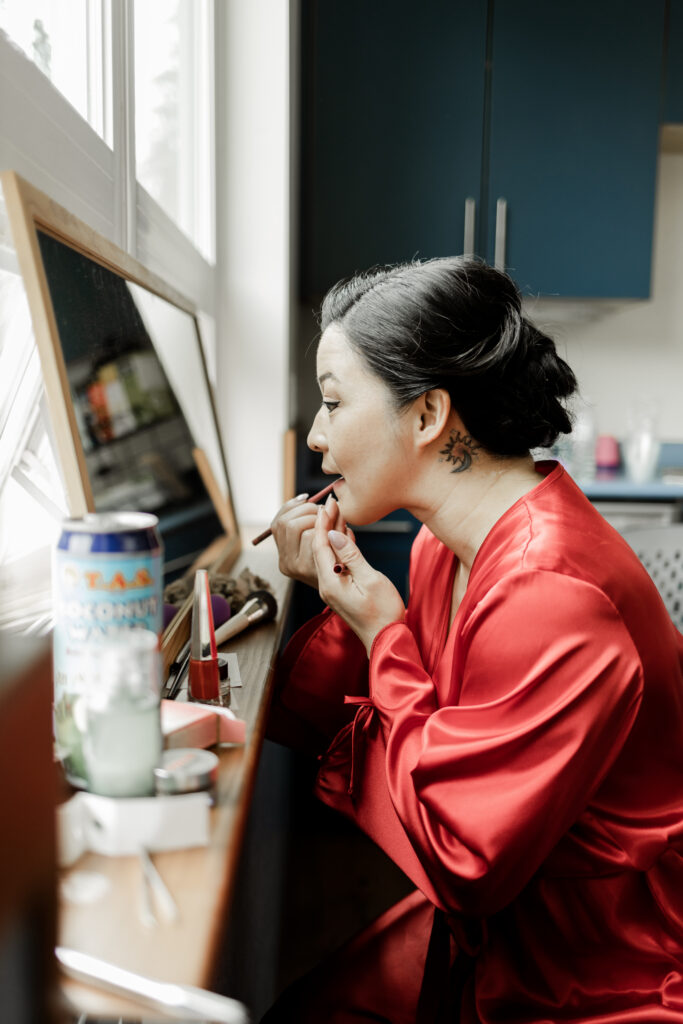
[129, 401]
[136, 431]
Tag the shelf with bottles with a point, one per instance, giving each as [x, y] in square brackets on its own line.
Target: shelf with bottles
[120, 395]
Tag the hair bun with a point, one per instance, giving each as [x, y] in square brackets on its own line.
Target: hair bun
[456, 323]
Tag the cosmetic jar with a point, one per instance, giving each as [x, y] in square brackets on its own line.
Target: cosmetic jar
[186, 770]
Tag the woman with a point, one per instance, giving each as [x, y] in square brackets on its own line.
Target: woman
[513, 739]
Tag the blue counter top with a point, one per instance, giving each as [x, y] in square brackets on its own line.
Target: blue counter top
[667, 485]
[623, 489]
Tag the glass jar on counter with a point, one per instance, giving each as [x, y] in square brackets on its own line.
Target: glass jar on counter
[641, 445]
[582, 440]
[121, 717]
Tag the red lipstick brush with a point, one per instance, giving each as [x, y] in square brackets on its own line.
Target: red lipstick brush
[316, 497]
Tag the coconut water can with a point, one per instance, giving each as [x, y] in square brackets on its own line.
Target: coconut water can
[107, 580]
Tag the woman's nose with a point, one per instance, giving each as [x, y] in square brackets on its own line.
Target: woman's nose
[316, 438]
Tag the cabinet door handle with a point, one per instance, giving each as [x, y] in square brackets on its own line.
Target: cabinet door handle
[468, 240]
[501, 233]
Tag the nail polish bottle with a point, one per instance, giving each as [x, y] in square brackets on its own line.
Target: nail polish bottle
[204, 670]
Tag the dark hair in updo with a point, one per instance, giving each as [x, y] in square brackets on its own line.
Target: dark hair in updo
[456, 323]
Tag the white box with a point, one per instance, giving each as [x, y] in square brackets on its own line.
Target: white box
[120, 826]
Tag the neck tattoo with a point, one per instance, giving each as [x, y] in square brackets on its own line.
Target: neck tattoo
[459, 451]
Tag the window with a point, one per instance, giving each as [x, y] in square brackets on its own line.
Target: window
[174, 112]
[108, 107]
[140, 73]
[31, 494]
[64, 39]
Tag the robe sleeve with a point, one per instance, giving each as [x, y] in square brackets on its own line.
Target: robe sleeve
[549, 687]
[322, 663]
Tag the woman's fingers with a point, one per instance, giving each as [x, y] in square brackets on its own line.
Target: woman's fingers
[322, 552]
[292, 503]
[333, 547]
[330, 524]
[293, 519]
[292, 530]
[288, 533]
[291, 508]
[365, 598]
[337, 519]
[296, 520]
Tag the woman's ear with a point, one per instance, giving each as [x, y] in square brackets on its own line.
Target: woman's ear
[431, 414]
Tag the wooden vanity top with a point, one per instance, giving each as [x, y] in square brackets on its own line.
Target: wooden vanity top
[201, 879]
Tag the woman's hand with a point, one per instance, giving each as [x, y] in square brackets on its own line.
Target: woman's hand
[365, 598]
[293, 532]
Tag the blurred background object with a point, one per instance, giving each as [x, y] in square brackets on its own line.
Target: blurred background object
[607, 455]
[27, 826]
[641, 445]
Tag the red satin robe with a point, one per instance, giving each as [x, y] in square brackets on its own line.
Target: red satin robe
[524, 767]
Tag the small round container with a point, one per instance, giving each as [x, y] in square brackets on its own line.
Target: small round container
[186, 770]
[607, 454]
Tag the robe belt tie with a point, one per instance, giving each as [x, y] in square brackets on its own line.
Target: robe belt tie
[361, 722]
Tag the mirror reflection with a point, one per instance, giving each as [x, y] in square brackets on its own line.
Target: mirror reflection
[129, 354]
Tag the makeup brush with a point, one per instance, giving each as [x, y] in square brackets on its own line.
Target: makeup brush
[260, 606]
[316, 497]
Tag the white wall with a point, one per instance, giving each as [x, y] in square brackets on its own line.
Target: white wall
[253, 247]
[636, 350]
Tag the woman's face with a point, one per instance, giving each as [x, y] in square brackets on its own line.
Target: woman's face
[358, 432]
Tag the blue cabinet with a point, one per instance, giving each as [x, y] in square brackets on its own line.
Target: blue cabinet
[673, 94]
[386, 545]
[409, 110]
[392, 121]
[575, 98]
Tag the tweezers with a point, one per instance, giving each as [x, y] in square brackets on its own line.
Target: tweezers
[153, 884]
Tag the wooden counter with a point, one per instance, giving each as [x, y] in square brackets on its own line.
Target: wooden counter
[201, 879]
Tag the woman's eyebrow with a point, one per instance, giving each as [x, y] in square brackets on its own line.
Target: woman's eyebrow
[326, 376]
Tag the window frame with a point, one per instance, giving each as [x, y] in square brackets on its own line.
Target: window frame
[45, 140]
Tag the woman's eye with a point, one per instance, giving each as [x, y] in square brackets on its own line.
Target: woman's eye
[330, 405]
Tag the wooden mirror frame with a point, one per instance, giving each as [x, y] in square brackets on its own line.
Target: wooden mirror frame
[30, 210]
